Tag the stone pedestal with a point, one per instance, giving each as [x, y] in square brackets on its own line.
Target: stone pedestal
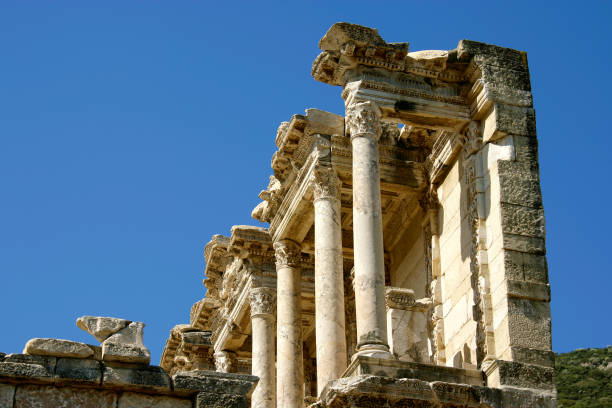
[289, 363]
[263, 303]
[329, 281]
[363, 124]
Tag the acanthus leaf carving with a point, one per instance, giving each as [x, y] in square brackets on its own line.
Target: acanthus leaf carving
[288, 254]
[326, 184]
[363, 118]
[263, 301]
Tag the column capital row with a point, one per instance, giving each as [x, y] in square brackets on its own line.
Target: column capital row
[263, 301]
[288, 253]
[363, 119]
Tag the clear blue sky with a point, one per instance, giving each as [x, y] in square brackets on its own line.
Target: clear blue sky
[131, 132]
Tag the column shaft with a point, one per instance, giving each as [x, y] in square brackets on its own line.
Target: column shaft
[329, 282]
[262, 322]
[289, 357]
[363, 123]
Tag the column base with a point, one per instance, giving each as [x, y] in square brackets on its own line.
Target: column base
[374, 351]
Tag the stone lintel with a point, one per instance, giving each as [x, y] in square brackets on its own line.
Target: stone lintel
[362, 365]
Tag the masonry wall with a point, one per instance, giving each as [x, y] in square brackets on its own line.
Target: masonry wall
[28, 381]
[457, 292]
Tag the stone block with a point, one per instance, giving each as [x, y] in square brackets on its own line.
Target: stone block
[518, 185]
[522, 243]
[37, 369]
[492, 54]
[135, 377]
[101, 327]
[41, 396]
[506, 120]
[7, 392]
[525, 266]
[513, 398]
[529, 290]
[544, 358]
[212, 400]
[504, 76]
[78, 371]
[57, 348]
[455, 394]
[214, 382]
[127, 353]
[529, 323]
[133, 400]
[126, 345]
[514, 374]
[520, 220]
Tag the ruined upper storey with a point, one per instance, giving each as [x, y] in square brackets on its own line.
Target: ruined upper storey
[433, 88]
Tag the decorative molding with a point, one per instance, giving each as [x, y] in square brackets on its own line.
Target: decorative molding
[288, 254]
[263, 301]
[363, 119]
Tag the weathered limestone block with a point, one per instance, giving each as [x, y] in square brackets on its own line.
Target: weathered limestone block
[521, 220]
[136, 377]
[501, 374]
[126, 345]
[522, 243]
[529, 323]
[525, 266]
[214, 383]
[57, 348]
[7, 392]
[133, 400]
[529, 290]
[78, 371]
[533, 356]
[37, 369]
[41, 396]
[208, 400]
[101, 327]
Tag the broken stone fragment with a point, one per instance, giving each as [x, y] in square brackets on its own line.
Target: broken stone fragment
[57, 348]
[126, 345]
[101, 327]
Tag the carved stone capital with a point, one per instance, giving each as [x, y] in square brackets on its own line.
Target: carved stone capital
[225, 361]
[326, 184]
[288, 253]
[263, 301]
[363, 119]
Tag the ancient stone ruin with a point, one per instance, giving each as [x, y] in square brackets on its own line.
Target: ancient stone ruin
[404, 263]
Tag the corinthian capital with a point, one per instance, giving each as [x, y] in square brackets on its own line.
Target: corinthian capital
[263, 301]
[326, 183]
[363, 119]
[288, 253]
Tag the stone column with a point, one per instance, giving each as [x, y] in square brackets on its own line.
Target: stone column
[363, 124]
[289, 358]
[329, 281]
[263, 303]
